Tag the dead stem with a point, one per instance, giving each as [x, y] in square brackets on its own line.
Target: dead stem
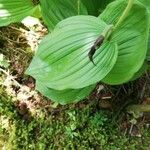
[10, 77]
[138, 108]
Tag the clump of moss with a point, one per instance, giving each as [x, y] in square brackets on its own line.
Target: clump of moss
[74, 128]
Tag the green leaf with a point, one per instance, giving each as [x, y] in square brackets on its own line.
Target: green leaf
[3, 62]
[131, 37]
[64, 96]
[140, 72]
[148, 51]
[62, 60]
[95, 7]
[15, 10]
[53, 11]
[37, 12]
[146, 3]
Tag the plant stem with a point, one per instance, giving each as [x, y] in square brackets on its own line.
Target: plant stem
[107, 32]
[139, 108]
[125, 13]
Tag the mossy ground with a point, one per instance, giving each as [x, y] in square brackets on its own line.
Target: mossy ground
[28, 121]
[70, 127]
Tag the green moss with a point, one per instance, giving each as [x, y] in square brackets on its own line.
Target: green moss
[74, 128]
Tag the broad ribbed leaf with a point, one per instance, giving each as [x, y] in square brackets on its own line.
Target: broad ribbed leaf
[148, 52]
[15, 10]
[146, 3]
[62, 59]
[53, 11]
[140, 72]
[131, 37]
[95, 7]
[64, 96]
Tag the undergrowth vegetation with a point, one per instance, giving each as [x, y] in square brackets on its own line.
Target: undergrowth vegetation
[84, 127]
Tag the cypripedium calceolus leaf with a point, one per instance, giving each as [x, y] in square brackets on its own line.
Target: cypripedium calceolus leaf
[64, 96]
[15, 10]
[131, 37]
[62, 57]
[146, 3]
[53, 11]
[61, 66]
[95, 7]
[148, 52]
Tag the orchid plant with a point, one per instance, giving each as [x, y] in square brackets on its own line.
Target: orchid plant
[89, 41]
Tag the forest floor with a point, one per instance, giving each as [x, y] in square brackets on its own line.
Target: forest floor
[29, 121]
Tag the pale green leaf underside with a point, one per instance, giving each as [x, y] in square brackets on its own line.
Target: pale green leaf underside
[53, 11]
[62, 59]
[15, 10]
[64, 96]
[131, 37]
